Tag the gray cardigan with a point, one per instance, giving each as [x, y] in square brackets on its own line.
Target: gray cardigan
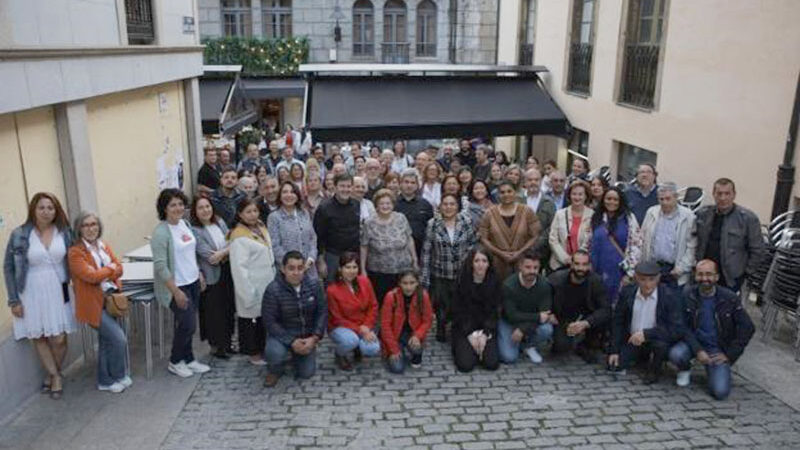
[205, 248]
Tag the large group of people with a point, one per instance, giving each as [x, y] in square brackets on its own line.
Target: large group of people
[376, 247]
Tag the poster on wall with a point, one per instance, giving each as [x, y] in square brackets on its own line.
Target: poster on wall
[162, 173]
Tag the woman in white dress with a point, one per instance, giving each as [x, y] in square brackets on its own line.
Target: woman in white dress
[36, 275]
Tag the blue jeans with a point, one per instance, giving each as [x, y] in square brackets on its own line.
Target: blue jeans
[184, 324]
[111, 351]
[347, 340]
[399, 365]
[275, 353]
[719, 375]
[509, 350]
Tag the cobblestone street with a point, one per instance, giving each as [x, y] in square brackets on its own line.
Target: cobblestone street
[562, 403]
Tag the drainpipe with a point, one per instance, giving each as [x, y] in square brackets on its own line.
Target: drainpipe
[453, 16]
[785, 178]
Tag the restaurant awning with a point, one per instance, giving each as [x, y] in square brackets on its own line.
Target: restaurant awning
[224, 109]
[269, 88]
[344, 108]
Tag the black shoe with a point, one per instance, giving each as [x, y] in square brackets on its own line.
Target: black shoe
[357, 356]
[221, 354]
[651, 377]
[343, 363]
[416, 361]
[441, 331]
[586, 355]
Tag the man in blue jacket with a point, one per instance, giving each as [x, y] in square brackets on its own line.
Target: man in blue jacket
[717, 330]
[295, 314]
[647, 321]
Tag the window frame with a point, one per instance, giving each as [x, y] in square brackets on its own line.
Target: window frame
[276, 16]
[363, 47]
[242, 14]
[426, 29]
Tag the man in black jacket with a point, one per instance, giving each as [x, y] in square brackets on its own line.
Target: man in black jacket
[580, 308]
[647, 321]
[717, 330]
[337, 223]
[417, 210]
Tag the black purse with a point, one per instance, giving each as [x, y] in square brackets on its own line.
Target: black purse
[65, 291]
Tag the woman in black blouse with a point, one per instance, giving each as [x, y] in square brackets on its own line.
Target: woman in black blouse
[475, 311]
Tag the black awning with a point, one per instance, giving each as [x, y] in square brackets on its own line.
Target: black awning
[416, 107]
[266, 88]
[223, 107]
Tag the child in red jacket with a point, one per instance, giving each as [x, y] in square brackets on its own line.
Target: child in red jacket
[406, 318]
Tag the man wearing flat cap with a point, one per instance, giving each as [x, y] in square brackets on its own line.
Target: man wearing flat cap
[647, 321]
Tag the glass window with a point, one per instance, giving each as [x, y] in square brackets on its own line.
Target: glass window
[630, 157]
[426, 28]
[363, 25]
[236, 18]
[277, 18]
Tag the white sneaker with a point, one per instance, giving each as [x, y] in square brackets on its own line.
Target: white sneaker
[533, 355]
[198, 367]
[180, 369]
[127, 382]
[684, 378]
[116, 388]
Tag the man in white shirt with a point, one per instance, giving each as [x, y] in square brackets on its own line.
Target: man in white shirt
[647, 320]
[541, 204]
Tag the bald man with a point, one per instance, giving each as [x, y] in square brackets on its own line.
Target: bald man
[716, 333]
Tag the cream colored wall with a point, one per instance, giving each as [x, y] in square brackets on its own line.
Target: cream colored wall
[31, 163]
[128, 133]
[727, 87]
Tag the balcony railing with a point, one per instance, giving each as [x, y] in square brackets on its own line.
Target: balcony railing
[580, 67]
[640, 70]
[394, 52]
[139, 20]
[526, 54]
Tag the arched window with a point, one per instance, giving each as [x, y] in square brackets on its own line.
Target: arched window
[426, 28]
[236, 18]
[395, 32]
[363, 28]
[276, 18]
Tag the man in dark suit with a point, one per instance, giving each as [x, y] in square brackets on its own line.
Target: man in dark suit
[647, 321]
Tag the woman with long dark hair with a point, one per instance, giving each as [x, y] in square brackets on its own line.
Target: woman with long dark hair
[406, 317]
[616, 242]
[475, 313]
[597, 189]
[478, 202]
[352, 313]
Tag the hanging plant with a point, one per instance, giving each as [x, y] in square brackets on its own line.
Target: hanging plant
[258, 57]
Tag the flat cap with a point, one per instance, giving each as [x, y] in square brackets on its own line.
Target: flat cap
[648, 268]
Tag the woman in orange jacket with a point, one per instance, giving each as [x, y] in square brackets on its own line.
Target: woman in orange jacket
[95, 270]
[352, 313]
[406, 317]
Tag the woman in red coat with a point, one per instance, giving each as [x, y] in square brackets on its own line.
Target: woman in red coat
[406, 317]
[352, 313]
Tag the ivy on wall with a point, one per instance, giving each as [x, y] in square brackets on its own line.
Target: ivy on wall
[257, 56]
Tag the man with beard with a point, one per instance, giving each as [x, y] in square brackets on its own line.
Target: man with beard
[718, 329]
[227, 195]
[580, 309]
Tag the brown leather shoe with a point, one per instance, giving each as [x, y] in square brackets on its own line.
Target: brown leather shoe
[271, 380]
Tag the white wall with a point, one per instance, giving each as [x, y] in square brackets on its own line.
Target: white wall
[58, 23]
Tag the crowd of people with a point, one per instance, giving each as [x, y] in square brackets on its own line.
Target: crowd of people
[378, 249]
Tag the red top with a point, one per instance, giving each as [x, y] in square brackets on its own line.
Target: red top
[349, 309]
[574, 230]
[393, 318]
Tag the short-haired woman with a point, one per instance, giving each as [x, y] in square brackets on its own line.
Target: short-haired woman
[406, 317]
[253, 268]
[37, 276]
[353, 313]
[216, 301]
[176, 278]
[95, 272]
[387, 246]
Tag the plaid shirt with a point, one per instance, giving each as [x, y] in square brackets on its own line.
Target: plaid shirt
[441, 257]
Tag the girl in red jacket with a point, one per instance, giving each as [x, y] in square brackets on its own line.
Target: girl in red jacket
[406, 318]
[353, 311]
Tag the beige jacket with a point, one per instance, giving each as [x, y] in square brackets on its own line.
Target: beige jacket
[559, 230]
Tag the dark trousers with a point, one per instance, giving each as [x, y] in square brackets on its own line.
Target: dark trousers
[184, 324]
[252, 336]
[593, 338]
[466, 359]
[217, 309]
[442, 291]
[382, 283]
[652, 353]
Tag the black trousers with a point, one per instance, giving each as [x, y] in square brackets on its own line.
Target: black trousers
[651, 353]
[593, 338]
[382, 283]
[466, 359]
[217, 310]
[252, 336]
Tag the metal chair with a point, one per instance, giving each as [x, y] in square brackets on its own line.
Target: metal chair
[691, 197]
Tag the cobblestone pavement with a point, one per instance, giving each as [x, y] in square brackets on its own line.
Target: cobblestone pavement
[561, 403]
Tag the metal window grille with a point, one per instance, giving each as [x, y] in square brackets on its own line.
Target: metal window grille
[139, 22]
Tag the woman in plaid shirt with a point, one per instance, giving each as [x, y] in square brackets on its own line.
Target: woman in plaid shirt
[448, 238]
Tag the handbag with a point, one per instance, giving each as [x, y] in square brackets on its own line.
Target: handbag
[117, 304]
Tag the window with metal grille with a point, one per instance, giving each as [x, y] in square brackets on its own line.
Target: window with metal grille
[139, 22]
[395, 33]
[527, 32]
[237, 18]
[363, 28]
[581, 46]
[643, 46]
[426, 28]
[276, 18]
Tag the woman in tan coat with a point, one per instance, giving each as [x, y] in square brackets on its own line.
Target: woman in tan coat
[571, 229]
[508, 229]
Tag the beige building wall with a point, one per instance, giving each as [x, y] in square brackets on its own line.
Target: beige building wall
[29, 151]
[129, 133]
[727, 86]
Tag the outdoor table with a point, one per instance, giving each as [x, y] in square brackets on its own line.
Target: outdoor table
[137, 284]
[141, 254]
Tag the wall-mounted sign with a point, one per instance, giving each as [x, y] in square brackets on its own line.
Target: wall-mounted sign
[188, 25]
